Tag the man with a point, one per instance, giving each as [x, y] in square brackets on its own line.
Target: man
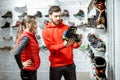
[61, 51]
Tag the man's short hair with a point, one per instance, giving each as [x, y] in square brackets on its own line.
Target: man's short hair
[54, 9]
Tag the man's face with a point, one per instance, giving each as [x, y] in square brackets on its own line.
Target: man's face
[55, 17]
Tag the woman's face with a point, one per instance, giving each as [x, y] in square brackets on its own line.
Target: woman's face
[32, 26]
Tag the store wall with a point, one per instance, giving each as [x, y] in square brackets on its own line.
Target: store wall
[117, 38]
[114, 31]
[8, 68]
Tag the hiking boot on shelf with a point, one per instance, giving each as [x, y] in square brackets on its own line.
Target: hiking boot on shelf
[8, 14]
[80, 13]
[38, 14]
[47, 15]
[100, 68]
[65, 13]
[8, 38]
[96, 43]
[18, 23]
[6, 25]
[99, 1]
[23, 15]
[101, 46]
[5, 48]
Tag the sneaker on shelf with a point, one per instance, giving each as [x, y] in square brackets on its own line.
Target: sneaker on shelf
[5, 48]
[18, 23]
[20, 8]
[96, 43]
[8, 38]
[83, 47]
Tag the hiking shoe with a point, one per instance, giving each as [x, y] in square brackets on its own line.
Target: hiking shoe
[65, 13]
[80, 13]
[23, 15]
[18, 23]
[71, 33]
[8, 14]
[38, 14]
[6, 48]
[6, 25]
[8, 38]
[100, 66]
[96, 43]
[47, 15]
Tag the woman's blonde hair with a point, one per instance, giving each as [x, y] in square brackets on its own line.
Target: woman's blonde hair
[27, 19]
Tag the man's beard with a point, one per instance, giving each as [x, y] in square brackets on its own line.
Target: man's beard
[56, 22]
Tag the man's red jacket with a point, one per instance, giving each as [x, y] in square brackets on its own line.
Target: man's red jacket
[59, 54]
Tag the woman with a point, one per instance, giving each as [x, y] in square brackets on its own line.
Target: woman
[27, 49]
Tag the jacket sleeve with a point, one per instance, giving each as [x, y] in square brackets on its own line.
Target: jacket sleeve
[77, 44]
[50, 42]
[23, 43]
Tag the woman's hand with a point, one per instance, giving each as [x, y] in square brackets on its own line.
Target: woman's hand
[27, 63]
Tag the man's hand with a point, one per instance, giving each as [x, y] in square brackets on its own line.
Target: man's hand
[69, 42]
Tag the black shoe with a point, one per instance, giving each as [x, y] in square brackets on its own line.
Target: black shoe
[8, 14]
[71, 33]
[38, 14]
[65, 13]
[98, 1]
[7, 25]
[80, 13]
[47, 15]
[23, 15]
[100, 67]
